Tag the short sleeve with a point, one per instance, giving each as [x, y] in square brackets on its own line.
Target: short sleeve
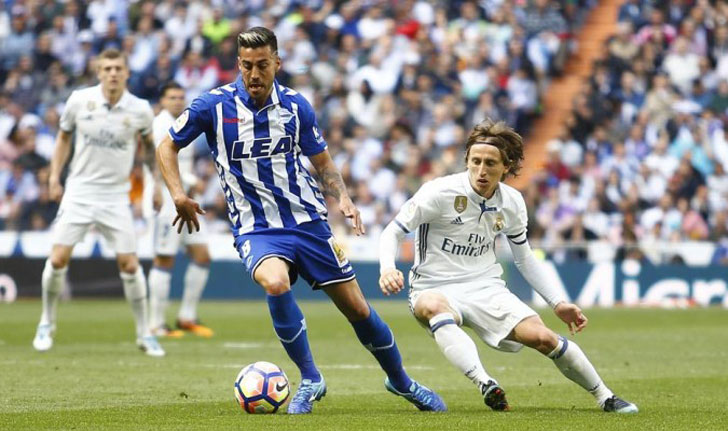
[517, 224]
[192, 122]
[147, 119]
[311, 140]
[421, 208]
[68, 117]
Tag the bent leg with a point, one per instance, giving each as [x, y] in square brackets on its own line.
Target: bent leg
[288, 320]
[371, 330]
[433, 309]
[567, 356]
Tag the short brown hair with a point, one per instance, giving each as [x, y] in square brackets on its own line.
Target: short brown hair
[113, 54]
[501, 136]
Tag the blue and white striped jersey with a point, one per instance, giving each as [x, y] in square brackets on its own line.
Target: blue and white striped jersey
[257, 154]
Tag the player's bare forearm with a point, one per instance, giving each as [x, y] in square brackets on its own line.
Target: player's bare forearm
[332, 184]
[60, 155]
[59, 159]
[169, 167]
[149, 155]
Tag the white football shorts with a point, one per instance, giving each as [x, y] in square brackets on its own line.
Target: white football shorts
[166, 239]
[487, 307]
[114, 221]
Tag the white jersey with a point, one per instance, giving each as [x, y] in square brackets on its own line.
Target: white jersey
[456, 230]
[104, 145]
[186, 159]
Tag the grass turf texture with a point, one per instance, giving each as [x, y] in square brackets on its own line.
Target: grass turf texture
[671, 363]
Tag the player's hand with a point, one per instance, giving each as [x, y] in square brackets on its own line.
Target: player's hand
[157, 198]
[55, 190]
[350, 210]
[187, 210]
[571, 315]
[391, 281]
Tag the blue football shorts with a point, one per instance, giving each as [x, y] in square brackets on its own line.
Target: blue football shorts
[310, 249]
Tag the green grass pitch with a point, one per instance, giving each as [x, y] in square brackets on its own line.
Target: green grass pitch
[672, 363]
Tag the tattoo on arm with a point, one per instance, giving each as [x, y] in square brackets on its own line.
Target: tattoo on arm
[332, 183]
[149, 153]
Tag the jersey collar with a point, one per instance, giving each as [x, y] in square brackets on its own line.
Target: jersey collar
[273, 99]
[121, 104]
[493, 202]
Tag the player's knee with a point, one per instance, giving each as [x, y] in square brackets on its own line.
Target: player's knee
[202, 259]
[164, 262]
[429, 306]
[59, 261]
[545, 340]
[128, 265]
[275, 285]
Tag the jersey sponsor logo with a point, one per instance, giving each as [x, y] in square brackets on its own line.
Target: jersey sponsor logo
[476, 246]
[461, 203]
[181, 121]
[261, 147]
[233, 120]
[105, 139]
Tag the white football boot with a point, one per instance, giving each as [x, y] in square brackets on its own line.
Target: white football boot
[43, 340]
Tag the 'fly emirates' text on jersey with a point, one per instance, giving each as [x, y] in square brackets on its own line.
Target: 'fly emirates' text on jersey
[105, 143]
[257, 154]
[456, 229]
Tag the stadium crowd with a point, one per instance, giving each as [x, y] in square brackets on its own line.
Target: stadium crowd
[397, 86]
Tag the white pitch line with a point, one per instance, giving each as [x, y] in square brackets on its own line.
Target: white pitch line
[242, 345]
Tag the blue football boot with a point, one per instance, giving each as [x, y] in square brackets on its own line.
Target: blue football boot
[422, 397]
[614, 404]
[307, 393]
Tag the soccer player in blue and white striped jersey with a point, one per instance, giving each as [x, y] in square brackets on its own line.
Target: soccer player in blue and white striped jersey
[257, 131]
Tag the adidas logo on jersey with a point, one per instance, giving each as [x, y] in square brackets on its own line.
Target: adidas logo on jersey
[457, 221]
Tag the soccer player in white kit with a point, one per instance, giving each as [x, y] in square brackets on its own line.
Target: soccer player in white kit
[106, 120]
[456, 280]
[167, 241]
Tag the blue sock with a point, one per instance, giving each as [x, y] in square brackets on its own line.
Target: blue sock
[290, 327]
[376, 336]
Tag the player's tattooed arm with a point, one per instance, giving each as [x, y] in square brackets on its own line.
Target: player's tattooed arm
[148, 154]
[333, 185]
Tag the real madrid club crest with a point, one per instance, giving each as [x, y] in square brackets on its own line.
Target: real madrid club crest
[500, 222]
[461, 203]
[127, 122]
[91, 105]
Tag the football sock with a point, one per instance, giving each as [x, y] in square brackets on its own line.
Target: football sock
[160, 280]
[290, 326]
[376, 336]
[458, 348]
[135, 290]
[52, 281]
[573, 363]
[195, 280]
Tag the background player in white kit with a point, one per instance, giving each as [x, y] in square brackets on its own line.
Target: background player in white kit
[456, 280]
[167, 241]
[106, 120]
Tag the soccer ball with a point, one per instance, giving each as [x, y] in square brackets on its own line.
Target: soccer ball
[261, 387]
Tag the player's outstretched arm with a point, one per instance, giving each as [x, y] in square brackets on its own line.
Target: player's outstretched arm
[150, 160]
[391, 280]
[187, 208]
[60, 157]
[333, 185]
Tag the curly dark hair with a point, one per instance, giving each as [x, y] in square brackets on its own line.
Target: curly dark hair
[501, 136]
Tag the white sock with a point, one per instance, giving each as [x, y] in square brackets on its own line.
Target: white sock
[160, 281]
[573, 363]
[195, 280]
[135, 290]
[53, 281]
[458, 348]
